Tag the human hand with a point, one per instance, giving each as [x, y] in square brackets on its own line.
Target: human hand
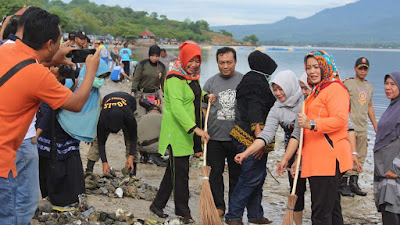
[34, 140]
[133, 94]
[357, 163]
[198, 154]
[129, 163]
[106, 168]
[304, 121]
[204, 135]
[240, 157]
[281, 167]
[92, 62]
[390, 175]
[60, 57]
[211, 98]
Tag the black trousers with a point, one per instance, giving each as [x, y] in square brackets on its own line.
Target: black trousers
[64, 182]
[325, 199]
[300, 190]
[389, 218]
[127, 67]
[218, 151]
[176, 178]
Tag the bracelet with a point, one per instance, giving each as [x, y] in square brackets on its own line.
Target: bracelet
[355, 153]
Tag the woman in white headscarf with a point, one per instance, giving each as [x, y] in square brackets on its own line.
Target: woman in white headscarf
[287, 91]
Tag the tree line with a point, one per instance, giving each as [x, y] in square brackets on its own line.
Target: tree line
[115, 20]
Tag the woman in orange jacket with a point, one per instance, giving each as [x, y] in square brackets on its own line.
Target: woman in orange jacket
[326, 153]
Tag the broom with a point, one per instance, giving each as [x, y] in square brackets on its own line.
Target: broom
[292, 197]
[208, 211]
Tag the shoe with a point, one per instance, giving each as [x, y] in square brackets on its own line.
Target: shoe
[344, 189]
[187, 219]
[353, 183]
[158, 160]
[234, 222]
[221, 212]
[159, 212]
[262, 220]
[144, 158]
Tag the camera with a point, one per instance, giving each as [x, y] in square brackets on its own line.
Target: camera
[67, 71]
[79, 55]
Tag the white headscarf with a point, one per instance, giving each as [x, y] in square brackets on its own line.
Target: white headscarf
[303, 79]
[289, 83]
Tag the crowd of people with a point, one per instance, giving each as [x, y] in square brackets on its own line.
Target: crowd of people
[246, 110]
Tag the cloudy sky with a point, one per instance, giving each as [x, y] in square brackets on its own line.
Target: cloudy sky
[229, 12]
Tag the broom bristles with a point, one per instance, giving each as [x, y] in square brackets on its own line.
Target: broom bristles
[208, 210]
[288, 219]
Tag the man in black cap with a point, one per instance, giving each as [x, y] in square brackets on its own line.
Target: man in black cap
[361, 92]
[80, 39]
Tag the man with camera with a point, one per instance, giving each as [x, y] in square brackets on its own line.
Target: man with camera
[26, 83]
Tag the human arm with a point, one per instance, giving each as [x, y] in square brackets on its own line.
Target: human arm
[3, 26]
[38, 133]
[136, 79]
[371, 115]
[131, 131]
[78, 99]
[162, 78]
[60, 58]
[290, 150]
[337, 111]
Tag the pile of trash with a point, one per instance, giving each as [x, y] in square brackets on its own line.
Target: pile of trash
[117, 187]
[82, 214]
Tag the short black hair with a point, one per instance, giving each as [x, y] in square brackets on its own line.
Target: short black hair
[224, 50]
[40, 27]
[163, 50]
[11, 28]
[22, 18]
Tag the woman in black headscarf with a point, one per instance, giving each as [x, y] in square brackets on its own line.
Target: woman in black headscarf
[387, 155]
[148, 78]
[254, 100]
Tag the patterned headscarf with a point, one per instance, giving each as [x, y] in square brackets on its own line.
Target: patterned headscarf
[328, 68]
[189, 50]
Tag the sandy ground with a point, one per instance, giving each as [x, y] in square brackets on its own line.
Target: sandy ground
[357, 210]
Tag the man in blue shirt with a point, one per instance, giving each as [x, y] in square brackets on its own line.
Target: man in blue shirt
[125, 55]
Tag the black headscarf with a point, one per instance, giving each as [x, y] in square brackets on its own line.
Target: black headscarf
[154, 49]
[389, 124]
[261, 62]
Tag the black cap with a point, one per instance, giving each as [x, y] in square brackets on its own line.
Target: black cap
[81, 34]
[362, 62]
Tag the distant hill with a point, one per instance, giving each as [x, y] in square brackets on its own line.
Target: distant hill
[366, 23]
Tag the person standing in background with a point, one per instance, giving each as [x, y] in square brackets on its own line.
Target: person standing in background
[361, 92]
[125, 55]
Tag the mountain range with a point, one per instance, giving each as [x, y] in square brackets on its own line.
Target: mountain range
[365, 23]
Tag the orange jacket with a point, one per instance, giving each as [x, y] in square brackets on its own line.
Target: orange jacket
[321, 149]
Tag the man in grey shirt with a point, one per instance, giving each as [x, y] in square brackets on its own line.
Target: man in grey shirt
[221, 121]
[166, 58]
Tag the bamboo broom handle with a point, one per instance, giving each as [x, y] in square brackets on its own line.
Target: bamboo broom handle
[205, 129]
[296, 176]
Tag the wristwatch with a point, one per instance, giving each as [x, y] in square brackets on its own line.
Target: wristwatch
[313, 124]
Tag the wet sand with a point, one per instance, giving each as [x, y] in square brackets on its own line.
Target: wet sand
[357, 210]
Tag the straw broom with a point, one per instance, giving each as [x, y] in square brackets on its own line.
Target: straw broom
[292, 197]
[208, 211]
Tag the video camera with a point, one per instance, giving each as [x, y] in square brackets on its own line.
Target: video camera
[67, 71]
[80, 55]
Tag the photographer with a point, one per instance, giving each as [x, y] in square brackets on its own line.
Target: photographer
[27, 89]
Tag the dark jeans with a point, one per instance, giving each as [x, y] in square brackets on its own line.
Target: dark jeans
[325, 199]
[248, 190]
[218, 151]
[176, 178]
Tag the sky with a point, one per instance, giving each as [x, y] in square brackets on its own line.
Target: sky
[229, 12]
